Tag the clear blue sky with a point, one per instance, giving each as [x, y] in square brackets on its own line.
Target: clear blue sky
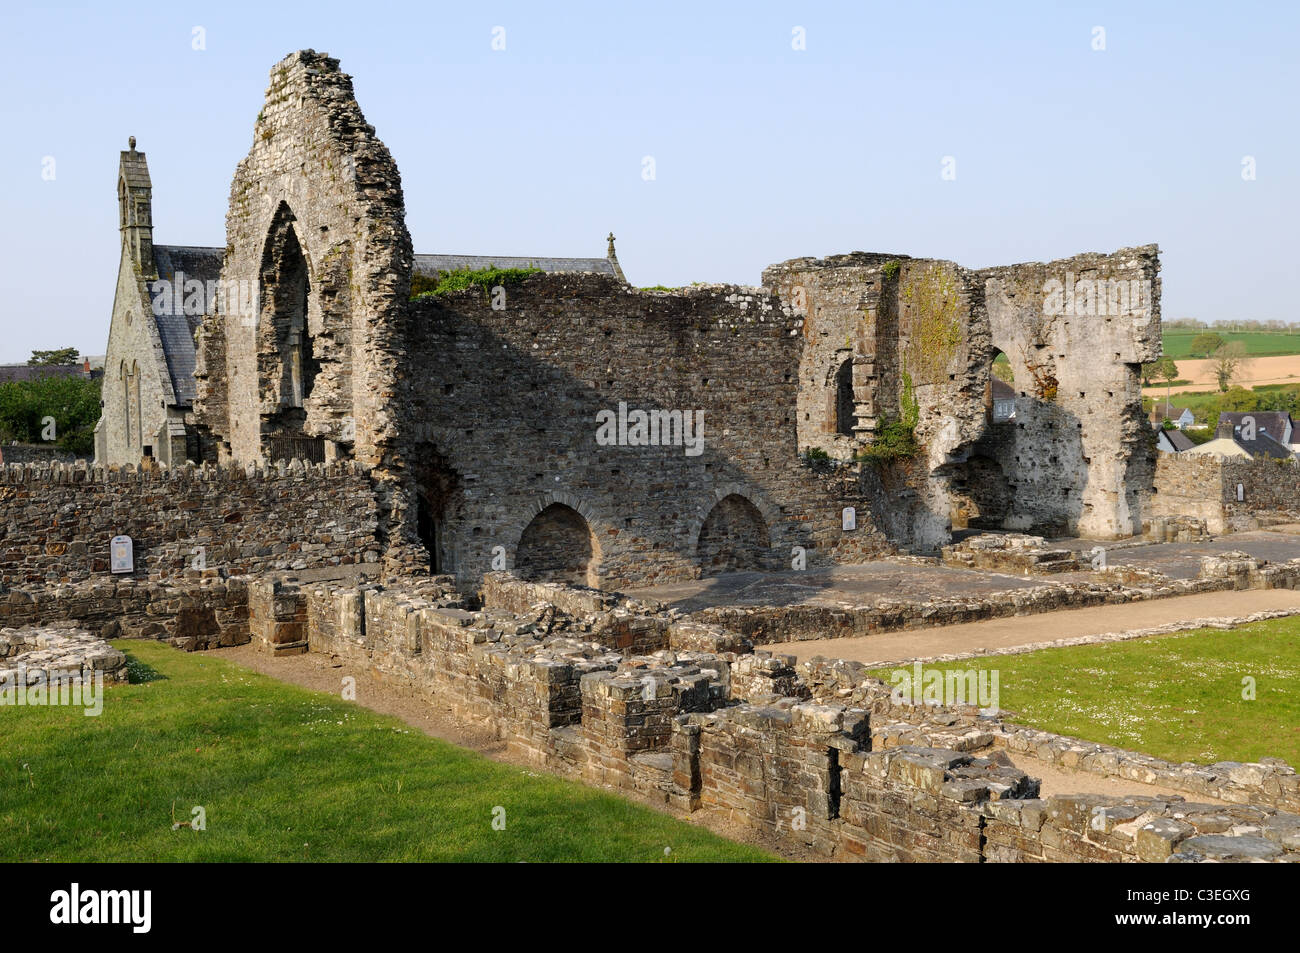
[762, 152]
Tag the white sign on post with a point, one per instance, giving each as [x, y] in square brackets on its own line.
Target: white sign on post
[121, 554]
[848, 518]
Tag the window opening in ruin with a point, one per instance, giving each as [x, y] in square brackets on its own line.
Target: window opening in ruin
[845, 417]
[833, 789]
[999, 395]
[429, 529]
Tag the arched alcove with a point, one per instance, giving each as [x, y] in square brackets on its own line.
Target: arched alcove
[558, 546]
[733, 537]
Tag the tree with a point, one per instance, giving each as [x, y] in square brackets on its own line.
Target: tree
[1238, 400]
[60, 357]
[1204, 345]
[1228, 360]
[62, 410]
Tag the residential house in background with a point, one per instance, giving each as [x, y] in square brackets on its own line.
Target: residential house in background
[1004, 401]
[1181, 417]
[1173, 441]
[1252, 436]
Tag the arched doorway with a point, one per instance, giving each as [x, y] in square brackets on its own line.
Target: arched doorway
[733, 537]
[558, 546]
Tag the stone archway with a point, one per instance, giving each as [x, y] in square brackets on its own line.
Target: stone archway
[733, 538]
[558, 545]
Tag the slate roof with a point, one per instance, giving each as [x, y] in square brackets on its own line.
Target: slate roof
[434, 265]
[1264, 445]
[1178, 440]
[1002, 390]
[175, 327]
[1272, 422]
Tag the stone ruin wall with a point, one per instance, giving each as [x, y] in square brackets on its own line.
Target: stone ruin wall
[500, 422]
[1205, 488]
[814, 757]
[923, 334]
[56, 522]
[317, 191]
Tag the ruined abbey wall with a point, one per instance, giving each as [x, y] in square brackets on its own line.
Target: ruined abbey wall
[315, 280]
[502, 422]
[816, 757]
[891, 338]
[56, 522]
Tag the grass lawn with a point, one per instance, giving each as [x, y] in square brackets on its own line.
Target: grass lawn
[1176, 697]
[288, 774]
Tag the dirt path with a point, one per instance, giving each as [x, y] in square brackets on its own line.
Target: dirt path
[971, 637]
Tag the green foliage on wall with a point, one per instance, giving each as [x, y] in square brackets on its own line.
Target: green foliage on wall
[894, 440]
[817, 459]
[462, 278]
[935, 324]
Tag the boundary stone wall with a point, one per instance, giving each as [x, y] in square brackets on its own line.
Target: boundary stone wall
[56, 522]
[1205, 488]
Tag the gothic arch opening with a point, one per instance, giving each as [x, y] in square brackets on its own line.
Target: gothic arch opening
[285, 344]
[558, 546]
[733, 537]
[845, 405]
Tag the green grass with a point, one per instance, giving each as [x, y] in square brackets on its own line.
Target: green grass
[287, 774]
[1178, 344]
[1175, 697]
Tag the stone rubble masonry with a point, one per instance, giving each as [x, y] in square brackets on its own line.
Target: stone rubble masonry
[919, 337]
[56, 522]
[58, 649]
[778, 749]
[500, 422]
[206, 613]
[1271, 783]
[1009, 552]
[1205, 488]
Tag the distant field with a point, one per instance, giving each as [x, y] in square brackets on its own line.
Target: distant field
[1278, 370]
[1178, 344]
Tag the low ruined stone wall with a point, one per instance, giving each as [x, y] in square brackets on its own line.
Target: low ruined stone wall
[204, 613]
[1205, 488]
[1271, 783]
[56, 522]
[35, 453]
[749, 739]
